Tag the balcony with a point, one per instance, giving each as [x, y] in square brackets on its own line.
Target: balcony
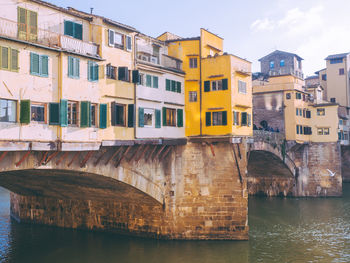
[286, 71]
[23, 32]
[165, 61]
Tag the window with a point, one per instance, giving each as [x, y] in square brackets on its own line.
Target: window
[219, 118]
[341, 71]
[148, 117]
[336, 60]
[72, 112]
[117, 40]
[141, 79]
[299, 129]
[282, 63]
[8, 110]
[193, 62]
[118, 114]
[92, 71]
[9, 58]
[221, 84]
[123, 74]
[242, 87]
[170, 117]
[288, 96]
[235, 118]
[151, 81]
[192, 96]
[27, 24]
[111, 72]
[73, 29]
[216, 85]
[321, 112]
[298, 96]
[307, 130]
[308, 114]
[39, 65]
[128, 43]
[93, 114]
[73, 67]
[323, 131]
[272, 64]
[172, 85]
[324, 76]
[244, 119]
[340, 122]
[38, 112]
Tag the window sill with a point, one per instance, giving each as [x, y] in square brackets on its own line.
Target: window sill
[72, 77]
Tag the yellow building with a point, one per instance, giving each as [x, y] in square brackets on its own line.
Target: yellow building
[218, 97]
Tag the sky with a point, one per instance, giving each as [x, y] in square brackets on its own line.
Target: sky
[251, 29]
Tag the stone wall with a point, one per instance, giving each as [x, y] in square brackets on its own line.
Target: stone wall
[345, 168]
[204, 198]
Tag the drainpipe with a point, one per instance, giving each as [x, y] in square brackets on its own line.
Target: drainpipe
[59, 87]
[135, 108]
[200, 83]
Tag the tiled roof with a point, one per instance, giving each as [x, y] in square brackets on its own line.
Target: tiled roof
[281, 52]
[342, 55]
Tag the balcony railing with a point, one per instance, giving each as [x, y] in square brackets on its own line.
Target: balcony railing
[24, 32]
[286, 71]
[165, 61]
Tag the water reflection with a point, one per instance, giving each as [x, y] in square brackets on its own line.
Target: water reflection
[281, 230]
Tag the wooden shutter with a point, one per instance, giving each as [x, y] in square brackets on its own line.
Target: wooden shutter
[70, 66]
[34, 64]
[141, 117]
[167, 84]
[122, 71]
[103, 116]
[63, 113]
[243, 118]
[173, 85]
[85, 112]
[180, 121]
[96, 71]
[14, 59]
[78, 31]
[54, 113]
[148, 81]
[22, 23]
[224, 84]
[25, 111]
[128, 43]
[131, 115]
[5, 58]
[224, 118]
[155, 82]
[249, 120]
[33, 25]
[68, 28]
[207, 86]
[158, 118]
[110, 37]
[135, 76]
[208, 118]
[76, 69]
[178, 86]
[164, 116]
[113, 113]
[44, 61]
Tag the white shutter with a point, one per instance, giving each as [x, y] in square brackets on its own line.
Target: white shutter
[110, 37]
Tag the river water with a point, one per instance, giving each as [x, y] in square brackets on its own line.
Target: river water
[281, 230]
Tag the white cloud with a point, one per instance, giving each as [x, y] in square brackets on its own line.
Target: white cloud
[262, 25]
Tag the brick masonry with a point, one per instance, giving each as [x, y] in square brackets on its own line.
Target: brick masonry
[345, 168]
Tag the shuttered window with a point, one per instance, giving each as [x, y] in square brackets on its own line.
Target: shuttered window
[118, 114]
[219, 118]
[14, 59]
[135, 76]
[85, 114]
[242, 87]
[73, 29]
[167, 84]
[27, 24]
[206, 86]
[25, 111]
[54, 113]
[128, 43]
[92, 71]
[131, 115]
[169, 117]
[208, 119]
[73, 67]
[5, 61]
[39, 65]
[103, 116]
[123, 74]
[158, 118]
[244, 119]
[155, 82]
[141, 117]
[63, 113]
[148, 81]
[180, 121]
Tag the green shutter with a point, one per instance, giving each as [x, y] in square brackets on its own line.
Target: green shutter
[70, 67]
[158, 118]
[148, 81]
[34, 64]
[44, 66]
[178, 84]
[90, 71]
[84, 113]
[224, 118]
[78, 31]
[180, 122]
[113, 113]
[141, 117]
[95, 71]
[234, 118]
[131, 115]
[167, 84]
[135, 76]
[68, 28]
[25, 111]
[64, 113]
[208, 118]
[207, 86]
[243, 119]
[14, 59]
[173, 85]
[103, 116]
[224, 84]
[249, 120]
[164, 116]
[5, 58]
[155, 82]
[54, 113]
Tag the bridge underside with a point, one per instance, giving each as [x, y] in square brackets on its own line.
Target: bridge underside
[268, 175]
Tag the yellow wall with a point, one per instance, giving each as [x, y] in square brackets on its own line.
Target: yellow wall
[329, 120]
[210, 43]
[337, 84]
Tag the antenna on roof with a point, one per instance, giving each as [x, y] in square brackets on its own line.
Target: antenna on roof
[91, 9]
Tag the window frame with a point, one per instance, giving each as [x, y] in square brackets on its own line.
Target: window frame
[40, 61]
[123, 106]
[321, 112]
[341, 71]
[75, 67]
[193, 62]
[152, 113]
[109, 70]
[73, 30]
[172, 121]
[7, 115]
[70, 113]
[94, 121]
[192, 96]
[242, 89]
